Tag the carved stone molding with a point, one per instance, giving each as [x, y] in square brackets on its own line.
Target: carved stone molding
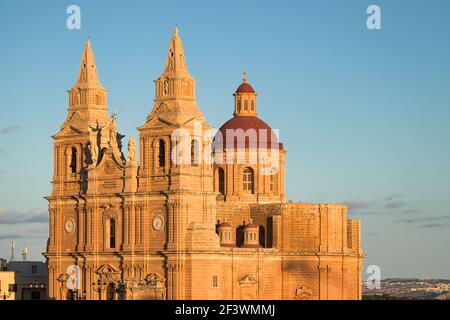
[109, 168]
[247, 280]
[324, 268]
[108, 273]
[303, 293]
[155, 281]
[63, 278]
[175, 266]
[126, 267]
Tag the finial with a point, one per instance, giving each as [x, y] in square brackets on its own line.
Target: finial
[175, 30]
[88, 42]
[244, 78]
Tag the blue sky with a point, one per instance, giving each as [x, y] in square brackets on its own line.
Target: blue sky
[364, 114]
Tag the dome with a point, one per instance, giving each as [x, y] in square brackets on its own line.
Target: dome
[225, 225]
[245, 123]
[245, 88]
[251, 225]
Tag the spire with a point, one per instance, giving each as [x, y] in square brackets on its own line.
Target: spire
[175, 61]
[88, 69]
[87, 98]
[175, 87]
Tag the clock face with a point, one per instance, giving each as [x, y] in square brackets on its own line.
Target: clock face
[157, 223]
[70, 226]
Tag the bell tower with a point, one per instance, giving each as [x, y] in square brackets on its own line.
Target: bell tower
[78, 144]
[176, 162]
[87, 98]
[174, 140]
[175, 88]
[89, 172]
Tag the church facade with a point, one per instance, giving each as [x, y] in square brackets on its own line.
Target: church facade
[193, 215]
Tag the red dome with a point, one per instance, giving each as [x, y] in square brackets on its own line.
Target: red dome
[225, 225]
[245, 88]
[245, 123]
[251, 225]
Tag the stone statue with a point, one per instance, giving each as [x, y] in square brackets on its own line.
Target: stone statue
[113, 130]
[93, 149]
[132, 150]
[166, 87]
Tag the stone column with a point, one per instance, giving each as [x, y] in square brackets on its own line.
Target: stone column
[175, 280]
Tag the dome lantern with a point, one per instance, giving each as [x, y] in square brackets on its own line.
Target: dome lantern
[245, 99]
[225, 234]
[251, 235]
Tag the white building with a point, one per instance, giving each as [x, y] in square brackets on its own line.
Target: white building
[24, 280]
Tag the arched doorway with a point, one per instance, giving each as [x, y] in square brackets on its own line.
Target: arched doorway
[110, 291]
[69, 295]
[240, 236]
[262, 236]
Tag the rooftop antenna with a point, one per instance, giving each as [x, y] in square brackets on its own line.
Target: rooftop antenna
[24, 252]
[13, 247]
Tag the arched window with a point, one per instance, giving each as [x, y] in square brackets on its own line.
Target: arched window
[272, 182]
[112, 233]
[253, 105]
[245, 105]
[239, 105]
[221, 177]
[73, 160]
[162, 153]
[248, 180]
[194, 152]
[166, 87]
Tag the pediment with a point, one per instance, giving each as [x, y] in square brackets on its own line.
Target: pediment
[106, 269]
[303, 293]
[157, 122]
[111, 163]
[155, 280]
[69, 130]
[191, 121]
[63, 277]
[247, 280]
[109, 167]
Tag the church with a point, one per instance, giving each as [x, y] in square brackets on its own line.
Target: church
[195, 214]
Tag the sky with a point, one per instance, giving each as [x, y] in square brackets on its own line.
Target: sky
[364, 114]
